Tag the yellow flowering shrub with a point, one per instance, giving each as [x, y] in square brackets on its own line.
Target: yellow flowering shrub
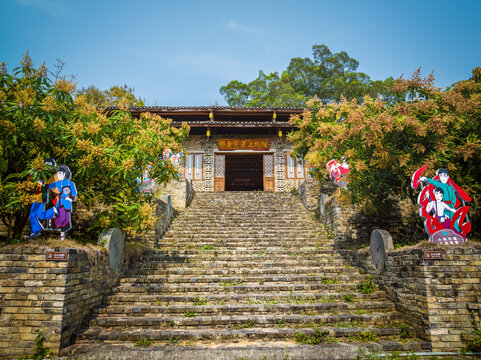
[106, 150]
[386, 140]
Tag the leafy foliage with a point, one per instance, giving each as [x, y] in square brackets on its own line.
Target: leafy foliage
[386, 141]
[40, 352]
[367, 286]
[319, 336]
[106, 151]
[111, 97]
[144, 343]
[326, 76]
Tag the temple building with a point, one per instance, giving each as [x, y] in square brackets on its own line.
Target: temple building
[236, 149]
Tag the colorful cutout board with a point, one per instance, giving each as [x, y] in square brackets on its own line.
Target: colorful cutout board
[443, 206]
[337, 171]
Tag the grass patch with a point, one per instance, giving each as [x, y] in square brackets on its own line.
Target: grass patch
[144, 343]
[319, 337]
[327, 299]
[367, 286]
[231, 283]
[190, 314]
[199, 301]
[349, 298]
[173, 340]
[271, 302]
[327, 281]
[247, 325]
[364, 336]
[405, 331]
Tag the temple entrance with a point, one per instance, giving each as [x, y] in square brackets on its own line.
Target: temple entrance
[244, 172]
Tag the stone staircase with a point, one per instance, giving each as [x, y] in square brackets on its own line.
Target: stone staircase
[247, 271]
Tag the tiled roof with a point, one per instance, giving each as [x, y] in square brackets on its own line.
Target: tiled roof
[235, 123]
[209, 108]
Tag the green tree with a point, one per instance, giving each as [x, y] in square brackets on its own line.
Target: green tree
[106, 151]
[386, 141]
[326, 76]
[111, 97]
[266, 90]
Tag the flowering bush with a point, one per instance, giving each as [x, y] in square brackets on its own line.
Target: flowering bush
[106, 151]
[385, 142]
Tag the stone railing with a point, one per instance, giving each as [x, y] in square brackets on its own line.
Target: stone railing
[181, 193]
[53, 296]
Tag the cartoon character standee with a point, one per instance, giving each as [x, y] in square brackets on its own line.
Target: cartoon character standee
[67, 193]
[146, 184]
[337, 171]
[37, 210]
[443, 205]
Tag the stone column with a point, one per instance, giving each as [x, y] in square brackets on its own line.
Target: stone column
[280, 170]
[209, 164]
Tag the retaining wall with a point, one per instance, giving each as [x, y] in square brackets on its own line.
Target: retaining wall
[441, 299]
[55, 297]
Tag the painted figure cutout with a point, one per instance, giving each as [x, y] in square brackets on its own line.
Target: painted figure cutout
[338, 171]
[146, 184]
[67, 193]
[175, 160]
[37, 210]
[443, 207]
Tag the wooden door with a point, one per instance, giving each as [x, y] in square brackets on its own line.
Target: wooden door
[268, 172]
[219, 172]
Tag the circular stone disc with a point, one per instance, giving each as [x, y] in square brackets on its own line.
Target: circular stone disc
[113, 240]
[381, 241]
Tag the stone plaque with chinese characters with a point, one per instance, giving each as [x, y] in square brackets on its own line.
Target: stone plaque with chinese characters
[433, 255]
[56, 256]
[244, 144]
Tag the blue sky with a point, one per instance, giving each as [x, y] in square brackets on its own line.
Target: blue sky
[181, 52]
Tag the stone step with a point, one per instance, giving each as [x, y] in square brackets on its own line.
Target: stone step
[257, 245]
[236, 348]
[233, 228]
[248, 241]
[272, 271]
[223, 280]
[246, 250]
[262, 256]
[261, 262]
[233, 288]
[326, 312]
[281, 297]
[251, 223]
[266, 333]
[245, 268]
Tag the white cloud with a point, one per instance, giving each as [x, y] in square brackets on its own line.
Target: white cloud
[234, 26]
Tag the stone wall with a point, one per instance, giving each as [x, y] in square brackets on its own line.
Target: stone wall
[55, 297]
[441, 299]
[351, 225]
